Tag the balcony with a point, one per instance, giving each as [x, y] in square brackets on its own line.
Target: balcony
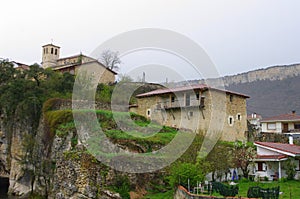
[179, 104]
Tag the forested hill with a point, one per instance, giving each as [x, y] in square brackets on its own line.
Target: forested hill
[272, 91]
[271, 97]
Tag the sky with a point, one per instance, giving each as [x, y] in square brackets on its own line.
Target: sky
[237, 35]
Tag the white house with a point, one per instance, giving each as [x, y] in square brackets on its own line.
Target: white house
[286, 123]
[272, 158]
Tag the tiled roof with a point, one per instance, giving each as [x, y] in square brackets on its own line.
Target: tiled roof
[283, 117]
[79, 64]
[267, 157]
[186, 88]
[51, 45]
[75, 56]
[289, 148]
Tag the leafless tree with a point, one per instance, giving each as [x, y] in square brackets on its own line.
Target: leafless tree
[110, 59]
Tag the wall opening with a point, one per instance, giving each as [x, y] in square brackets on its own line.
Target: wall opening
[4, 184]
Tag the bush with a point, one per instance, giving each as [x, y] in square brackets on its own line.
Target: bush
[258, 192]
[290, 169]
[181, 173]
[225, 190]
[121, 185]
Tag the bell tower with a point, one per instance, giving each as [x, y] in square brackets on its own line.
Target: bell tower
[50, 55]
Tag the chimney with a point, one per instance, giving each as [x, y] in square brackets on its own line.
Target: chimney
[294, 112]
[291, 139]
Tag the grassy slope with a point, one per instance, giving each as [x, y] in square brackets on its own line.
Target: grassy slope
[61, 121]
[289, 189]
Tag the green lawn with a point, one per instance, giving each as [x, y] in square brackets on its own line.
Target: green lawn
[165, 195]
[289, 189]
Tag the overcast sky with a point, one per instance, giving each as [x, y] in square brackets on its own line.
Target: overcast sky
[238, 35]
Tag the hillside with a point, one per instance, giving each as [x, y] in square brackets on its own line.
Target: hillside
[271, 97]
[273, 90]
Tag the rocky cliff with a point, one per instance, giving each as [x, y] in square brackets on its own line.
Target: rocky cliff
[52, 163]
[272, 73]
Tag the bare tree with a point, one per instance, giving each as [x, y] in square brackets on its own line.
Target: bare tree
[110, 59]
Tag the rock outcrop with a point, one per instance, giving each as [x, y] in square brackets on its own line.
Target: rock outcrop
[55, 165]
[271, 73]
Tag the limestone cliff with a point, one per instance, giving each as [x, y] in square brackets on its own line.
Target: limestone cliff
[55, 165]
[272, 73]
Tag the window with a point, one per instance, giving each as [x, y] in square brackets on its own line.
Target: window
[297, 126]
[51, 50]
[55, 51]
[260, 166]
[46, 50]
[148, 112]
[231, 98]
[197, 96]
[173, 99]
[202, 102]
[271, 126]
[187, 99]
[238, 117]
[230, 121]
[191, 113]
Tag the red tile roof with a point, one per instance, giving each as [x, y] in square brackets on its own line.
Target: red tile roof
[75, 56]
[283, 117]
[266, 157]
[186, 88]
[289, 148]
[79, 64]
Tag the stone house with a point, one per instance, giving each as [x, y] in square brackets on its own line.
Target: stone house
[193, 107]
[272, 158]
[51, 59]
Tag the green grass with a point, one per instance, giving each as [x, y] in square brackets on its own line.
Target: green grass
[166, 195]
[289, 189]
[162, 137]
[137, 128]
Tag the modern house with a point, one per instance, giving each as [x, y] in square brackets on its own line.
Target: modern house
[194, 107]
[272, 158]
[51, 59]
[286, 123]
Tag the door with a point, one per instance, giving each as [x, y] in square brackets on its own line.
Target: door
[259, 166]
[285, 127]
